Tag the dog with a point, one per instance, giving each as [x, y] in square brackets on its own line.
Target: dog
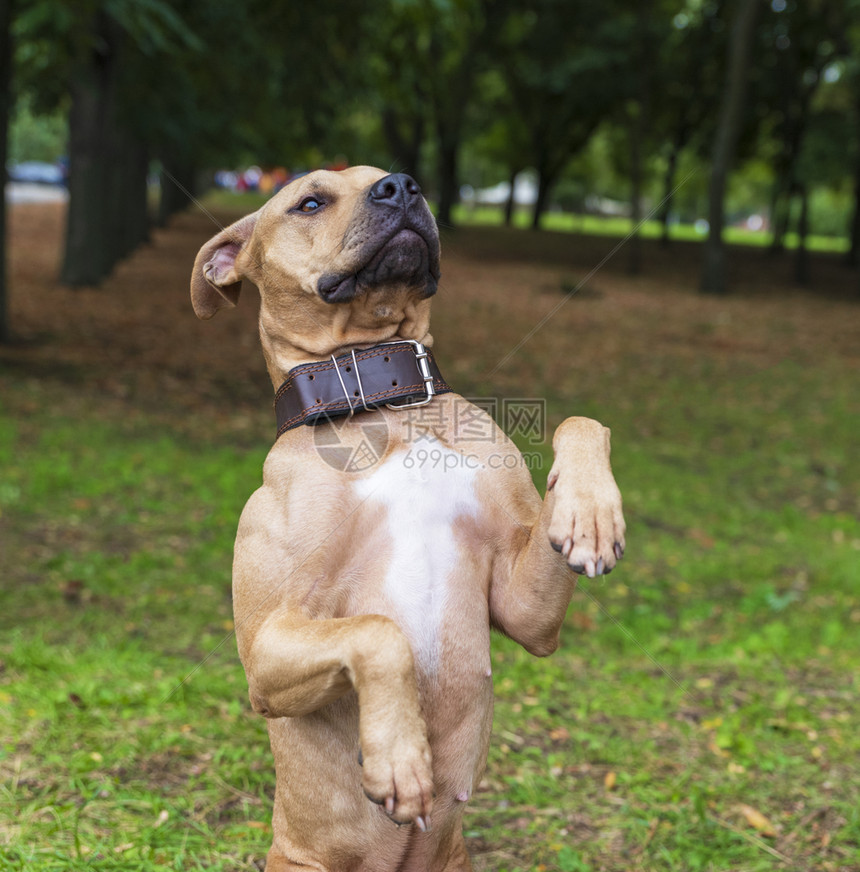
[365, 592]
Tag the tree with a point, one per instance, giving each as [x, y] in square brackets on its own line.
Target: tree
[5, 112]
[847, 104]
[459, 45]
[397, 82]
[560, 67]
[110, 131]
[648, 27]
[725, 142]
[798, 43]
[691, 65]
[98, 59]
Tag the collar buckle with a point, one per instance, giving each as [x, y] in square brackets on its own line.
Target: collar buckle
[423, 368]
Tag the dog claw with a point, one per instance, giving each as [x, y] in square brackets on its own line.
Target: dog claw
[619, 551]
[566, 547]
[423, 824]
[389, 805]
[590, 568]
[600, 566]
[360, 758]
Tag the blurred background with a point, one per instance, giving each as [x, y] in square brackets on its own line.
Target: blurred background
[655, 117]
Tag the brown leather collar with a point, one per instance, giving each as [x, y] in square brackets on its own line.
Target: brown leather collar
[397, 374]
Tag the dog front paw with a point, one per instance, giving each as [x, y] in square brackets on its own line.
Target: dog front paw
[587, 523]
[400, 779]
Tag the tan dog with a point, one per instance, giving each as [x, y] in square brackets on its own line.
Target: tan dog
[364, 600]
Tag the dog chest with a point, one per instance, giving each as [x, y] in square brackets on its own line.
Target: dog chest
[425, 494]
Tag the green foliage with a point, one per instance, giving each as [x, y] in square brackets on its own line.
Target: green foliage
[37, 136]
[412, 84]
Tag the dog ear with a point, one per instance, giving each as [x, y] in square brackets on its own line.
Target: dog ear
[215, 279]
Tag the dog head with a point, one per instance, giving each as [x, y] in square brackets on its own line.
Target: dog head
[341, 260]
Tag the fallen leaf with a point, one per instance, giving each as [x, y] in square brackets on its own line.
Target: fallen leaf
[700, 537]
[757, 820]
[609, 780]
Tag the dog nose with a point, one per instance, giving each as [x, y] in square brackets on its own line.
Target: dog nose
[398, 189]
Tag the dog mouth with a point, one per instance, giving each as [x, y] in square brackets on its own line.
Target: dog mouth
[406, 258]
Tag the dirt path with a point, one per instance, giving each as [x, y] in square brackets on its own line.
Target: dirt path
[504, 319]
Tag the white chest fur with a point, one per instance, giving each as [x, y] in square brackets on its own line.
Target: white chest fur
[425, 490]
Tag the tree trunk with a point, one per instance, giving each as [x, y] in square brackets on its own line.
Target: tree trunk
[405, 150]
[545, 183]
[90, 231]
[639, 117]
[448, 194]
[777, 216]
[140, 217]
[177, 186]
[725, 143]
[510, 204]
[668, 192]
[634, 242]
[853, 256]
[85, 261]
[801, 262]
[129, 198]
[781, 214]
[5, 112]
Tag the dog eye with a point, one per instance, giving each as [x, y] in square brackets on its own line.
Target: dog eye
[309, 204]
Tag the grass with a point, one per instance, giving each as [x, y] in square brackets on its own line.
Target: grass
[619, 226]
[116, 752]
[702, 713]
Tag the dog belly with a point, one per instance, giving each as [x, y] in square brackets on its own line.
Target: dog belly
[322, 818]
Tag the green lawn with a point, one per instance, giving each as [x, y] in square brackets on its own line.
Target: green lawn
[702, 713]
[600, 225]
